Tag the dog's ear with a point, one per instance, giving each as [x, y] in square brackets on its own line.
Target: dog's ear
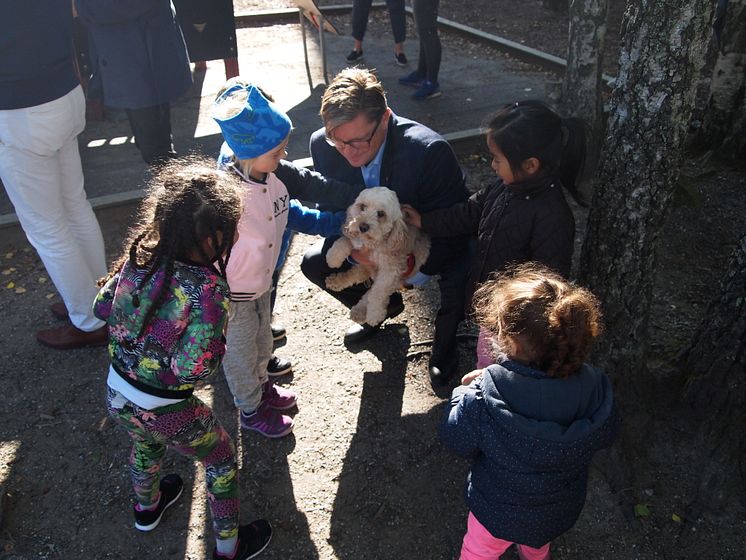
[349, 216]
[396, 241]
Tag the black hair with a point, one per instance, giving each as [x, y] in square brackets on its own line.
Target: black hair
[188, 202]
[527, 129]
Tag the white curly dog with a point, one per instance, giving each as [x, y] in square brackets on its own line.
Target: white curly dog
[375, 222]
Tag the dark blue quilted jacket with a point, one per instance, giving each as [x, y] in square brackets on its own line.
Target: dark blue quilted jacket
[531, 438]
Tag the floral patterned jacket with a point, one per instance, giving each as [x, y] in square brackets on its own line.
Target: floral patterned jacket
[183, 341]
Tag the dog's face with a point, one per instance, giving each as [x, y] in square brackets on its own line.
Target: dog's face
[372, 216]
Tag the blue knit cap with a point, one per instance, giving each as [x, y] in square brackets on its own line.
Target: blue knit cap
[257, 128]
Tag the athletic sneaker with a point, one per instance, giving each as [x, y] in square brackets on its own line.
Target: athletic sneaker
[278, 366]
[412, 80]
[171, 487]
[355, 55]
[252, 540]
[267, 421]
[278, 332]
[427, 90]
[277, 397]
[400, 59]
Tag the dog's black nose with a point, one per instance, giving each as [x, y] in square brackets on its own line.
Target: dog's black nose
[363, 227]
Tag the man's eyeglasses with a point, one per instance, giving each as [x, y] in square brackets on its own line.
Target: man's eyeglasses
[354, 144]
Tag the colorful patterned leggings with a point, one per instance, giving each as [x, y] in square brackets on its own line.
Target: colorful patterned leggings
[191, 429]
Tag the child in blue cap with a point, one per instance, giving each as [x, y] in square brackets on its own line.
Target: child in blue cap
[256, 135]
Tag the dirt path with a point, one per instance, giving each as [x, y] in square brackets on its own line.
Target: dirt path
[363, 476]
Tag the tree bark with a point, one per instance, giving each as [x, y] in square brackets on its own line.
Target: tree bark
[715, 367]
[663, 46]
[724, 126]
[581, 93]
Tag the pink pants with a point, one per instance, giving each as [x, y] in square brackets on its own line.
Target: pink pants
[484, 349]
[479, 544]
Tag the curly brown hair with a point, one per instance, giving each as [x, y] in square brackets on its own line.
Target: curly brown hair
[554, 321]
[187, 202]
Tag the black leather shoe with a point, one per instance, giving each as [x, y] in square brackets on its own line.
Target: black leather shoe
[438, 377]
[441, 370]
[358, 333]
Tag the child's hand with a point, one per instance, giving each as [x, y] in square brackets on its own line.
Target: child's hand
[471, 376]
[411, 216]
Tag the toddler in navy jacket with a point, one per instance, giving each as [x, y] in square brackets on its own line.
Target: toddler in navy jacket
[532, 421]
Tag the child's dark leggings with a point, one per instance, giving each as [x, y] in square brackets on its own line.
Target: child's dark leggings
[191, 429]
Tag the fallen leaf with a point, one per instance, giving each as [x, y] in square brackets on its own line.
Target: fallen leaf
[49, 295]
[676, 518]
[641, 510]
[42, 280]
[8, 271]
[10, 285]
[20, 290]
[8, 255]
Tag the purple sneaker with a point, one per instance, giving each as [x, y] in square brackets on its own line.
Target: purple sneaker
[278, 398]
[267, 421]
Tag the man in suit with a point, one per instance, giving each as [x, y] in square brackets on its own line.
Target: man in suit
[364, 142]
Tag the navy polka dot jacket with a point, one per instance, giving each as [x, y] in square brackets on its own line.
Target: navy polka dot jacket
[531, 438]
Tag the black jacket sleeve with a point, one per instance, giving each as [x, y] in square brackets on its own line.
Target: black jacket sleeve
[313, 187]
[459, 219]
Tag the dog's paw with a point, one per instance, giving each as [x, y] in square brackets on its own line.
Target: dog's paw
[336, 282]
[375, 315]
[333, 260]
[358, 313]
[337, 253]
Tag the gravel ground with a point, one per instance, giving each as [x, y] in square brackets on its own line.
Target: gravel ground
[363, 476]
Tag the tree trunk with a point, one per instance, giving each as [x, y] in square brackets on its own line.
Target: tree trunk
[715, 367]
[663, 47]
[581, 93]
[724, 126]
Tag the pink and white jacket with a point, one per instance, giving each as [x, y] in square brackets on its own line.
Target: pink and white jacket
[254, 256]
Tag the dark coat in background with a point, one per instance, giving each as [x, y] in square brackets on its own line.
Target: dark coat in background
[217, 39]
[138, 51]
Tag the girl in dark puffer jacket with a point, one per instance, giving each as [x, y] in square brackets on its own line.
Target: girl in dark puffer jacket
[524, 215]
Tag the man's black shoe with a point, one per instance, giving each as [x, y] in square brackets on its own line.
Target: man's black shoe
[358, 333]
[438, 377]
[441, 370]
